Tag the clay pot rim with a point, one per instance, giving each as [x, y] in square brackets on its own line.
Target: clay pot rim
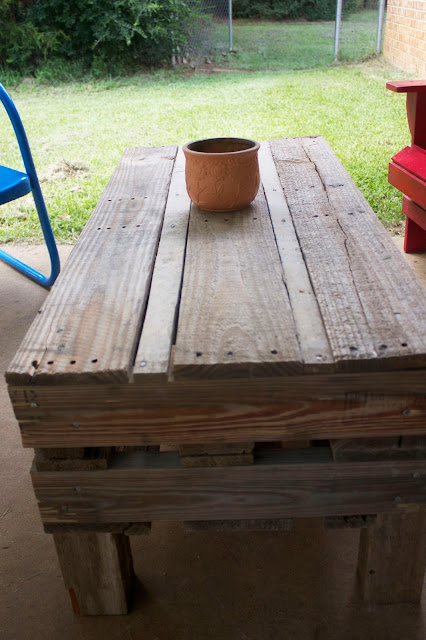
[254, 146]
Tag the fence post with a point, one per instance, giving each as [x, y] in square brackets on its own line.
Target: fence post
[337, 29]
[380, 25]
[231, 48]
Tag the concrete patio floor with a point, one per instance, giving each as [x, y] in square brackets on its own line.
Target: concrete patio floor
[299, 585]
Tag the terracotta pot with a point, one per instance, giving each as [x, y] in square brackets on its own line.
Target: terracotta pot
[222, 174]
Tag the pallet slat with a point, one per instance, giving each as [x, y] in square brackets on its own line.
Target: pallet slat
[352, 263]
[240, 323]
[88, 326]
[258, 491]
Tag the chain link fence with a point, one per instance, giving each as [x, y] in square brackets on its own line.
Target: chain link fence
[348, 34]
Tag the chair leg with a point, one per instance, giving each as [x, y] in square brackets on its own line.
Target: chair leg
[415, 228]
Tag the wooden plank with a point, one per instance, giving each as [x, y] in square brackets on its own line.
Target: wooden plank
[127, 528]
[392, 558]
[97, 570]
[93, 458]
[353, 449]
[352, 263]
[88, 327]
[396, 448]
[293, 408]
[312, 337]
[217, 454]
[398, 323]
[295, 487]
[285, 524]
[153, 356]
[239, 324]
[349, 522]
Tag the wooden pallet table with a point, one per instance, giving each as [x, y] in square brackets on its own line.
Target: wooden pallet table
[228, 370]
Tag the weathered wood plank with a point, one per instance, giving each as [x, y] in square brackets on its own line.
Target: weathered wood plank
[88, 326]
[352, 263]
[153, 356]
[240, 322]
[312, 337]
[392, 558]
[93, 458]
[349, 522]
[127, 528]
[396, 448]
[216, 455]
[285, 490]
[293, 408]
[285, 524]
[398, 323]
[97, 570]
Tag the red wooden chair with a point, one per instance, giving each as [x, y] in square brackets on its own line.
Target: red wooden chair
[407, 170]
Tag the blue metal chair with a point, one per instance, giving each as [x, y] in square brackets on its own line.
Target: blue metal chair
[15, 184]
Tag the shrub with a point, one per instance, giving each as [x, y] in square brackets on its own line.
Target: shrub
[96, 34]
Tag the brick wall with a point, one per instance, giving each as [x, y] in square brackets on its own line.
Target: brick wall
[405, 35]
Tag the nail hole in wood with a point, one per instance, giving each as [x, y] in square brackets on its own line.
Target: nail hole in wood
[230, 353]
[72, 361]
[35, 364]
[404, 344]
[353, 349]
[254, 218]
[138, 225]
[199, 353]
[99, 228]
[50, 362]
[274, 351]
[108, 227]
[383, 347]
[94, 360]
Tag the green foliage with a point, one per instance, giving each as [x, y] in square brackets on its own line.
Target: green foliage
[282, 9]
[99, 35]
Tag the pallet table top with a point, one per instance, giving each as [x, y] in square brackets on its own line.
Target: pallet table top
[170, 323]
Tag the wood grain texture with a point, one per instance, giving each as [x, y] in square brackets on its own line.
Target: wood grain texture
[88, 326]
[285, 524]
[312, 337]
[357, 274]
[235, 318]
[97, 570]
[158, 333]
[349, 522]
[392, 558]
[259, 491]
[127, 528]
[293, 408]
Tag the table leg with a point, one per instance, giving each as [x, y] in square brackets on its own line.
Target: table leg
[392, 558]
[97, 570]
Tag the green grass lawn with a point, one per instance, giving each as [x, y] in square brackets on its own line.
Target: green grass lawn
[78, 131]
[269, 45]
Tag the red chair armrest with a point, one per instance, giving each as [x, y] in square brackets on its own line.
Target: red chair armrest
[407, 86]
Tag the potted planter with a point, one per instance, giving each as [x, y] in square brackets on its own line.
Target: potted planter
[222, 174]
